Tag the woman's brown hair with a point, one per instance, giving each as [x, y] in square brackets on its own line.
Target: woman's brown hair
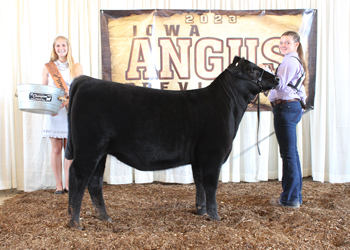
[296, 38]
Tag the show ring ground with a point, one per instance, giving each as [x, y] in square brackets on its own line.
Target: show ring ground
[161, 216]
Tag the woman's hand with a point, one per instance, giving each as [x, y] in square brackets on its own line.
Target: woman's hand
[65, 103]
[266, 67]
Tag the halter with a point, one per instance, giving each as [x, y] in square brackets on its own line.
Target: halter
[257, 82]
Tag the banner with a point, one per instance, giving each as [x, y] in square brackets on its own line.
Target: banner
[188, 49]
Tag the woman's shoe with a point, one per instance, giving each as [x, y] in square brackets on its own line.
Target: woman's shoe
[277, 203]
[66, 190]
[58, 191]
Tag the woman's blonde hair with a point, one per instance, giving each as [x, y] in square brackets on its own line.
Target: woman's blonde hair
[70, 59]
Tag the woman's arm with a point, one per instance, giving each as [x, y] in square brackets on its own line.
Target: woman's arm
[286, 72]
[45, 76]
[78, 69]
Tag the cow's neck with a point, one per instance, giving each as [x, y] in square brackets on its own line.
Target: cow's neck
[230, 91]
[237, 92]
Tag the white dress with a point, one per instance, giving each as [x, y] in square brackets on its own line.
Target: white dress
[57, 126]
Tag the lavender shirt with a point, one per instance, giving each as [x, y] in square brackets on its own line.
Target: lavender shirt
[289, 71]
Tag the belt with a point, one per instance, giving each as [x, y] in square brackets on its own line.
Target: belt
[283, 101]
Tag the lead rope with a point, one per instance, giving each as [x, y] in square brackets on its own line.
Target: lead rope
[257, 130]
[258, 83]
[266, 137]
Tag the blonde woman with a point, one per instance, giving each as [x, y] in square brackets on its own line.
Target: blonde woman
[55, 126]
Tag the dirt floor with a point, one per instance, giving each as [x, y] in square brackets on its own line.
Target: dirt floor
[161, 216]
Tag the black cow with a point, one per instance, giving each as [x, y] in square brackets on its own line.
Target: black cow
[152, 129]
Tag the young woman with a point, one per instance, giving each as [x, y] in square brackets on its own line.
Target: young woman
[287, 113]
[55, 126]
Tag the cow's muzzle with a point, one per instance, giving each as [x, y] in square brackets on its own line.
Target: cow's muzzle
[277, 80]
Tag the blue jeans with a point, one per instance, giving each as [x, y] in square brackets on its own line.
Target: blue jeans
[286, 117]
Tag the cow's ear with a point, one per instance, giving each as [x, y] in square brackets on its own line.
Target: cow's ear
[236, 60]
[239, 67]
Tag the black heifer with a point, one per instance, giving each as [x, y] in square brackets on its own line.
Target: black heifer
[151, 129]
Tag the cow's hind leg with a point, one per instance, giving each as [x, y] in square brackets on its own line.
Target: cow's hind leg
[95, 189]
[200, 193]
[78, 179]
[80, 173]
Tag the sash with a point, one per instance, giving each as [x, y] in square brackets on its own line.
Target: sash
[57, 77]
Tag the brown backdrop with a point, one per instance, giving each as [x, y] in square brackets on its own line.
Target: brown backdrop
[187, 49]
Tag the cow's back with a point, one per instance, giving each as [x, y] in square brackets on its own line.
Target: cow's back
[146, 128]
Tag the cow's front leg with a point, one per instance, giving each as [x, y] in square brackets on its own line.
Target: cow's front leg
[200, 193]
[210, 178]
[95, 190]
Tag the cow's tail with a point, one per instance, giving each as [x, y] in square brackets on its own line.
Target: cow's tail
[69, 151]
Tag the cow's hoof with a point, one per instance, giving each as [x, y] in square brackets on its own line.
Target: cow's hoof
[76, 226]
[105, 218]
[215, 217]
[201, 211]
